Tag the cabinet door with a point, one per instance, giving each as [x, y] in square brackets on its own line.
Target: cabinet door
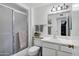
[66, 49]
[76, 51]
[50, 45]
[60, 53]
[48, 52]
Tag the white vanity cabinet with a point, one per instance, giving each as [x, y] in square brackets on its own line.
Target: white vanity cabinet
[48, 52]
[55, 49]
[61, 53]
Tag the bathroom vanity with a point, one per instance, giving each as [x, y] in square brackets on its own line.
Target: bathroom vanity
[59, 47]
[59, 24]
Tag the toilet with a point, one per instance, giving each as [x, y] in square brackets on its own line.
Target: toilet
[33, 51]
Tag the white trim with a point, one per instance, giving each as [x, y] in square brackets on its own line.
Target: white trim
[29, 29]
[13, 9]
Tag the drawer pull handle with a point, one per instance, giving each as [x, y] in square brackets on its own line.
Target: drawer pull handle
[71, 46]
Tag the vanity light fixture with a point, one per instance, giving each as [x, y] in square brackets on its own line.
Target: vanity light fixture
[58, 8]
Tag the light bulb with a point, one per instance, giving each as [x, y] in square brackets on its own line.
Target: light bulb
[59, 8]
[53, 9]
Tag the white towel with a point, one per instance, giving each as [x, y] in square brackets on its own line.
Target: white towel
[23, 39]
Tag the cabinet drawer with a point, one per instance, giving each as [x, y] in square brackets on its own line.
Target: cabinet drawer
[66, 49]
[50, 45]
[59, 53]
[48, 52]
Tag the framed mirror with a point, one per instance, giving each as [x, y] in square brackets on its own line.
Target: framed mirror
[63, 26]
[61, 23]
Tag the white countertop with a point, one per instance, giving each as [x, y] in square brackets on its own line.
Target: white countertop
[63, 41]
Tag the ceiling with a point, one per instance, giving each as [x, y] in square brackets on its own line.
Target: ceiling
[33, 5]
